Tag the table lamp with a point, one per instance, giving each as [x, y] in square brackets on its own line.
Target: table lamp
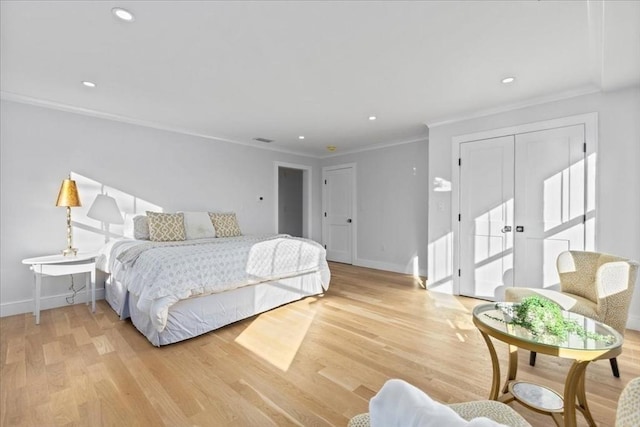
[68, 197]
[105, 209]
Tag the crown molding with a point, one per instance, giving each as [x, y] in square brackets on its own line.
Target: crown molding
[514, 106]
[375, 147]
[14, 97]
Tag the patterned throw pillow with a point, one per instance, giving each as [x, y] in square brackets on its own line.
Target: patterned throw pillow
[164, 227]
[226, 224]
[141, 227]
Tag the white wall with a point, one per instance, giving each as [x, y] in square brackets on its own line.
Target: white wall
[391, 187]
[618, 180]
[148, 167]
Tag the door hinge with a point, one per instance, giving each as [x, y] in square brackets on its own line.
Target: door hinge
[584, 218]
[325, 246]
[584, 147]
[459, 272]
[325, 214]
[459, 217]
[325, 182]
[459, 161]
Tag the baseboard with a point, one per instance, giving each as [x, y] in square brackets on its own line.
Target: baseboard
[46, 303]
[388, 266]
[633, 322]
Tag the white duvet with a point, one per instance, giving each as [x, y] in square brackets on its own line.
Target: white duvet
[163, 273]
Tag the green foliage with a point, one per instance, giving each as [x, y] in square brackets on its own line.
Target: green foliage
[543, 317]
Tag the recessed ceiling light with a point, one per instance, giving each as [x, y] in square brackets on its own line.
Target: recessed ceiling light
[123, 14]
[372, 118]
[508, 80]
[89, 84]
[301, 137]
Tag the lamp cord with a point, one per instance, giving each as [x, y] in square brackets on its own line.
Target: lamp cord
[71, 299]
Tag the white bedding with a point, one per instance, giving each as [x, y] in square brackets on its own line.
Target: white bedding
[161, 274]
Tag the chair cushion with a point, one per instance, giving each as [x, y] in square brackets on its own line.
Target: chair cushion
[360, 420]
[400, 404]
[491, 409]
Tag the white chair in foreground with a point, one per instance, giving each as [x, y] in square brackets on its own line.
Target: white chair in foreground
[595, 285]
[399, 404]
[627, 413]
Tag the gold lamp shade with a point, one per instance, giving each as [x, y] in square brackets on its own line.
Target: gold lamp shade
[68, 195]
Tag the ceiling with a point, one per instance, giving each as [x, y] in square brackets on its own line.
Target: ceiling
[240, 70]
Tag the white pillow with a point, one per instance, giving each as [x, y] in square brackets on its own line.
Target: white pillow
[198, 225]
[399, 404]
[141, 228]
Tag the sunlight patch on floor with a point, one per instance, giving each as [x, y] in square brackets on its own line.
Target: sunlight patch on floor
[441, 300]
[276, 336]
[461, 323]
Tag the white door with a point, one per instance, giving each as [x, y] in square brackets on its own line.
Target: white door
[486, 215]
[337, 220]
[550, 190]
[522, 202]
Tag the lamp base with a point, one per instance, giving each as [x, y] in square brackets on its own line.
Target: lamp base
[70, 252]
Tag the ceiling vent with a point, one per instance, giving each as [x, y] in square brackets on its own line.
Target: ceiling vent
[263, 140]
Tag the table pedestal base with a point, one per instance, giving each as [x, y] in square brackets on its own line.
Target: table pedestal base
[539, 398]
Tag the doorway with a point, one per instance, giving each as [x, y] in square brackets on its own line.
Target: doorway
[292, 199]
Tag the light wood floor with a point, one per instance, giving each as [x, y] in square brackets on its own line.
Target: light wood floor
[315, 362]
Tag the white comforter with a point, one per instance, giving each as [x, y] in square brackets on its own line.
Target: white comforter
[162, 273]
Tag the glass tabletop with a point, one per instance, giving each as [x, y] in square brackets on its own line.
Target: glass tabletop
[497, 316]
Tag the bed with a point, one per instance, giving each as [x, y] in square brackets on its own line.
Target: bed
[176, 290]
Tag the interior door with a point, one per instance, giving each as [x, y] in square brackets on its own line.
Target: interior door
[522, 202]
[486, 216]
[338, 215]
[550, 202]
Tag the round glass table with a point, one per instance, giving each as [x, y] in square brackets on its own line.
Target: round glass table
[494, 320]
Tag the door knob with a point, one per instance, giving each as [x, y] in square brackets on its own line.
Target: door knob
[506, 229]
[519, 228]
[349, 220]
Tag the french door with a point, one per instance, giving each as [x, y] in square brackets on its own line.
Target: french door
[522, 202]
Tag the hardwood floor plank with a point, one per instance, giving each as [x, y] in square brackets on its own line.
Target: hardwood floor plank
[103, 345]
[168, 411]
[41, 415]
[178, 388]
[15, 374]
[52, 353]
[313, 362]
[81, 336]
[93, 413]
[129, 391]
[63, 407]
[15, 350]
[57, 377]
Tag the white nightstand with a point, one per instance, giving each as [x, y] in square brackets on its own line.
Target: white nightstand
[60, 265]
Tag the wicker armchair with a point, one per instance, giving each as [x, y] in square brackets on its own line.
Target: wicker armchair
[592, 284]
[401, 404]
[627, 414]
[496, 411]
